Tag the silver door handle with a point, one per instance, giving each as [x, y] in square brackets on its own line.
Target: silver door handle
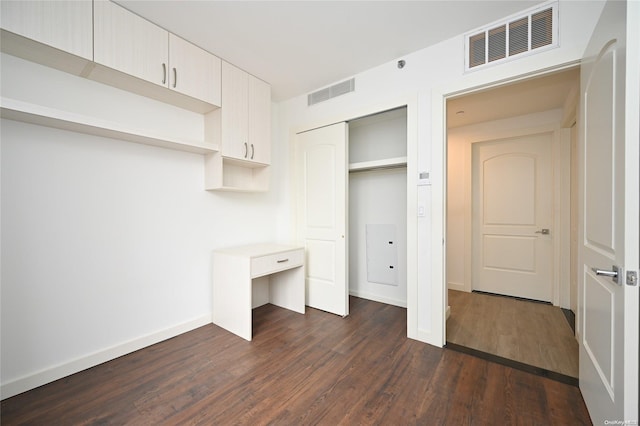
[252, 151]
[164, 73]
[246, 150]
[175, 78]
[543, 231]
[613, 274]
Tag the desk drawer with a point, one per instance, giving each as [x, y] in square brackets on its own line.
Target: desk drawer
[269, 264]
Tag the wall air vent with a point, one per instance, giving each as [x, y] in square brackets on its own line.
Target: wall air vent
[528, 32]
[331, 92]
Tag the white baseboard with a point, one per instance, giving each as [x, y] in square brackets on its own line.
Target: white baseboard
[456, 286]
[49, 375]
[377, 298]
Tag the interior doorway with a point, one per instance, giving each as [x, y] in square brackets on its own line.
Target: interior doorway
[497, 246]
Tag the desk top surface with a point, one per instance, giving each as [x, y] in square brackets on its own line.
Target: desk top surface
[256, 250]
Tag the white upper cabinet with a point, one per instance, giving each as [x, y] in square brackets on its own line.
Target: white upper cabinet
[235, 113]
[260, 120]
[128, 43]
[65, 25]
[58, 34]
[246, 116]
[242, 131]
[136, 47]
[193, 71]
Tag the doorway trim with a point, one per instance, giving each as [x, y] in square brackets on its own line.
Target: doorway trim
[439, 98]
[414, 229]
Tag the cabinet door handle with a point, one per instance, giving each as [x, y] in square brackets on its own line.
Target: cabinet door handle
[164, 73]
[252, 151]
[246, 150]
[283, 260]
[175, 77]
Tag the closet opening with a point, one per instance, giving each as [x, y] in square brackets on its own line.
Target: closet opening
[353, 205]
[377, 206]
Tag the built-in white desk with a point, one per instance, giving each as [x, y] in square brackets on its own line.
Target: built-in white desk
[249, 276]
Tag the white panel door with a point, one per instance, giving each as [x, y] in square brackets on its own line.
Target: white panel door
[608, 233]
[321, 161]
[512, 196]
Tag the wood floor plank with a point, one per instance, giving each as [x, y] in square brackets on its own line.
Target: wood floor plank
[313, 369]
[531, 333]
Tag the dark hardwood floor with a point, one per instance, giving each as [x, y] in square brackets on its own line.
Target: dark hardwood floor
[312, 369]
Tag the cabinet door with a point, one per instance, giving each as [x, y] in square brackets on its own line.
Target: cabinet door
[128, 43]
[65, 25]
[235, 111]
[259, 121]
[193, 71]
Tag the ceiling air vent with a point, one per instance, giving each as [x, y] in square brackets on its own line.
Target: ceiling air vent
[531, 32]
[331, 92]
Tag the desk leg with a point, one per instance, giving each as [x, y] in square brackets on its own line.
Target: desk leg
[232, 294]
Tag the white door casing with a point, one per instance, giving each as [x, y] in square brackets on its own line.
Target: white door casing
[512, 204]
[608, 234]
[321, 159]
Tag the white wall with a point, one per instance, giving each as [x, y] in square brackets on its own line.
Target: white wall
[458, 177]
[378, 197]
[379, 137]
[430, 74]
[105, 244]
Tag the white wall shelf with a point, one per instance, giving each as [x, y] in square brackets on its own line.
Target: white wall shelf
[228, 174]
[36, 114]
[386, 163]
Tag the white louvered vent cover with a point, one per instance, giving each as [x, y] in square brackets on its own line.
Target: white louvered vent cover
[331, 92]
[532, 32]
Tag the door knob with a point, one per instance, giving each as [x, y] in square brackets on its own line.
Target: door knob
[543, 231]
[613, 274]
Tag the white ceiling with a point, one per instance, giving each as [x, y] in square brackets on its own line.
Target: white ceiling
[300, 46]
[525, 97]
